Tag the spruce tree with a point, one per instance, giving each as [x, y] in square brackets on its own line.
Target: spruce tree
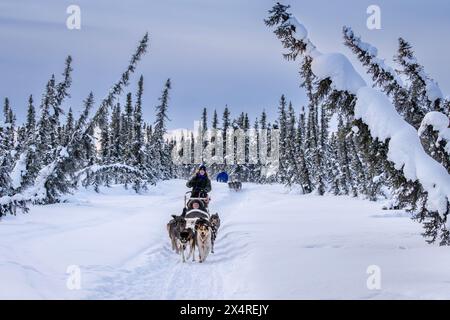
[343, 158]
[138, 143]
[226, 124]
[418, 101]
[105, 140]
[383, 76]
[30, 123]
[358, 173]
[161, 155]
[115, 132]
[204, 120]
[410, 194]
[292, 170]
[9, 125]
[304, 178]
[215, 121]
[46, 135]
[263, 120]
[282, 176]
[128, 127]
[68, 127]
[336, 175]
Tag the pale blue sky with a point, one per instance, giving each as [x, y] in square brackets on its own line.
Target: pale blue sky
[215, 52]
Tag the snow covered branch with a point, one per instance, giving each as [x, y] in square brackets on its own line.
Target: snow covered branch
[439, 122]
[405, 148]
[383, 75]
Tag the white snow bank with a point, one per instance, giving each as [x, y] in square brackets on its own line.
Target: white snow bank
[405, 149]
[339, 69]
[119, 241]
[439, 122]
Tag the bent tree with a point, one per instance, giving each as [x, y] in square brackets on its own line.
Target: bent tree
[59, 163]
[389, 143]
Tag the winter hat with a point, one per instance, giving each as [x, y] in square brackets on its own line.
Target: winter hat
[202, 167]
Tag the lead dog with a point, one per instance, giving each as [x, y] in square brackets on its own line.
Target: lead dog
[187, 238]
[203, 238]
[215, 225]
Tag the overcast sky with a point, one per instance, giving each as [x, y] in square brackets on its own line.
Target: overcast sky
[215, 52]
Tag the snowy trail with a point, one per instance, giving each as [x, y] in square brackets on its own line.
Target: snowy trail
[272, 245]
[158, 273]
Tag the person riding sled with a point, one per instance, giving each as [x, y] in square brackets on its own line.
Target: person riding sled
[200, 183]
[195, 209]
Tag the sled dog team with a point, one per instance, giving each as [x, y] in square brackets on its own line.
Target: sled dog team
[195, 227]
[189, 234]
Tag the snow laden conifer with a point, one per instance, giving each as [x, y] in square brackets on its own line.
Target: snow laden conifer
[303, 175]
[384, 76]
[161, 157]
[413, 98]
[51, 163]
[138, 142]
[423, 185]
[127, 129]
[282, 175]
[215, 121]
[434, 132]
[291, 157]
[226, 124]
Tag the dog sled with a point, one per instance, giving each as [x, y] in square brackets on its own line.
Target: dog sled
[192, 214]
[203, 199]
[195, 227]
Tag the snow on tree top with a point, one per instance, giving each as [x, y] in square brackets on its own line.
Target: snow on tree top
[373, 52]
[300, 32]
[339, 69]
[439, 122]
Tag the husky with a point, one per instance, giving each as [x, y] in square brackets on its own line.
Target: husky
[203, 238]
[174, 228]
[235, 185]
[187, 238]
[215, 225]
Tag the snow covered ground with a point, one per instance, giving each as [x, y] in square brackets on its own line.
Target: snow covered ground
[272, 245]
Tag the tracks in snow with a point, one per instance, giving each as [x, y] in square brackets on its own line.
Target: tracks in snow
[158, 273]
